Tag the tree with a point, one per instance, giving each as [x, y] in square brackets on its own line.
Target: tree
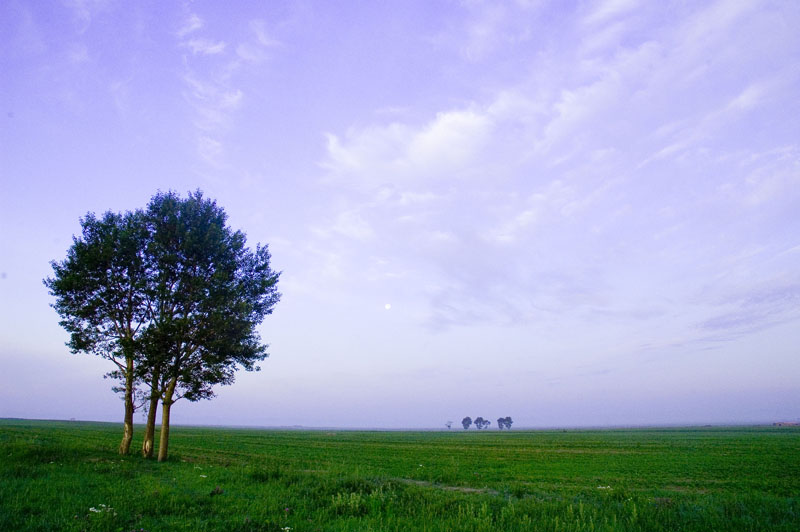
[207, 294]
[448, 425]
[466, 422]
[171, 296]
[100, 295]
[504, 422]
[481, 423]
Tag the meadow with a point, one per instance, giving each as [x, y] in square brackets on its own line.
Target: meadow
[67, 476]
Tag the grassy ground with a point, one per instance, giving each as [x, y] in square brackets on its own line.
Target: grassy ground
[66, 476]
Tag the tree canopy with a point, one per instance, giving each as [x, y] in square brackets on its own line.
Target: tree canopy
[504, 422]
[481, 423]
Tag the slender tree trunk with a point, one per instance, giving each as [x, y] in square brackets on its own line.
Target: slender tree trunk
[150, 430]
[163, 443]
[127, 431]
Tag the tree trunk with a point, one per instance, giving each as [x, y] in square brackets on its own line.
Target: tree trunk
[127, 431]
[163, 442]
[150, 430]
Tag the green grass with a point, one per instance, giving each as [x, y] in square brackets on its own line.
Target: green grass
[52, 473]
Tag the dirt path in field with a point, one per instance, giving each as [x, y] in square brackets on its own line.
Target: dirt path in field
[461, 489]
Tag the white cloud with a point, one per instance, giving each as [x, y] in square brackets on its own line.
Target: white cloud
[442, 148]
[120, 93]
[190, 25]
[210, 150]
[566, 138]
[450, 141]
[352, 225]
[608, 9]
[29, 37]
[442, 237]
[78, 54]
[84, 10]
[556, 201]
[413, 198]
[205, 46]
[263, 37]
[250, 53]
[489, 27]
[212, 102]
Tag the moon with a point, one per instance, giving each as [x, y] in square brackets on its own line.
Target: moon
[387, 306]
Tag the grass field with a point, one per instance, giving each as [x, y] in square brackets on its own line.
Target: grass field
[67, 476]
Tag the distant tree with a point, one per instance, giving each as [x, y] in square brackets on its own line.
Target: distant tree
[100, 292]
[466, 422]
[504, 422]
[448, 425]
[481, 423]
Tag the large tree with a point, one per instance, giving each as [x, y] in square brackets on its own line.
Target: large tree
[172, 296]
[208, 294]
[100, 291]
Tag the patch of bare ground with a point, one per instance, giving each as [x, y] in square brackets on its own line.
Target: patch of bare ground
[460, 489]
[662, 501]
[685, 489]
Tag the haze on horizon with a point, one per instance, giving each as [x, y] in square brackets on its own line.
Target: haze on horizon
[573, 213]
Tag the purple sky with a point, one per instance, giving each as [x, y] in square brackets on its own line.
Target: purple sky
[580, 213]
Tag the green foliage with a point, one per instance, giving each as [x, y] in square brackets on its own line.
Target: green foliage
[660, 480]
[100, 288]
[209, 293]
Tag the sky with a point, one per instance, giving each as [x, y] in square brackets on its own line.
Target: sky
[580, 213]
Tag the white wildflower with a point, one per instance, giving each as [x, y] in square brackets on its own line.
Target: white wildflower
[103, 509]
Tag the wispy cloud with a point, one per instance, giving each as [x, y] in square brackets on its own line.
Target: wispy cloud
[443, 148]
[210, 150]
[205, 46]
[487, 28]
[84, 10]
[212, 76]
[192, 23]
[350, 224]
[753, 310]
[608, 9]
[569, 140]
